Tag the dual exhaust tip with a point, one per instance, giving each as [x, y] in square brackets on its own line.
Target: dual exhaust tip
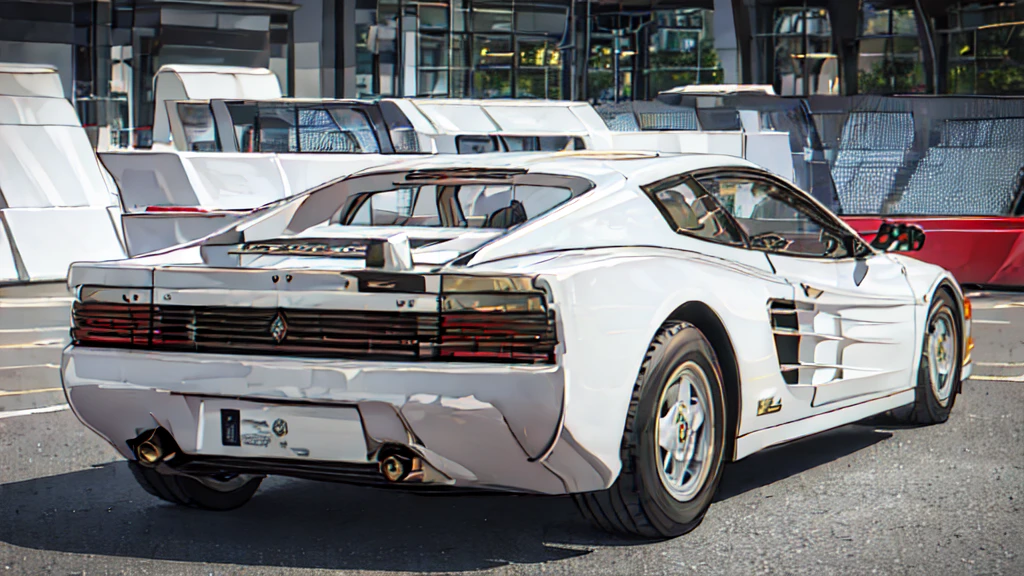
[396, 463]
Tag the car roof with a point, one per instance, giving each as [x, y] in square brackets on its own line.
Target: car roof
[596, 165]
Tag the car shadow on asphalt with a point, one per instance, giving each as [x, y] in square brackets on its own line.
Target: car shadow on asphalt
[301, 524]
[780, 462]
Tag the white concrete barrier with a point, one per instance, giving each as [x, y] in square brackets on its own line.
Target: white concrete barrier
[8, 267]
[49, 240]
[54, 195]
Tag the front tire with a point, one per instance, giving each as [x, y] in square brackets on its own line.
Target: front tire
[673, 446]
[208, 493]
[938, 377]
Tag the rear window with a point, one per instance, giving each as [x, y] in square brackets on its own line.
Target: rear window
[465, 206]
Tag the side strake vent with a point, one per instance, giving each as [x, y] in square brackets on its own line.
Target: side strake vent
[786, 328]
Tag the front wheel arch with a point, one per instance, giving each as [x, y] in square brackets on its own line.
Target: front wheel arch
[957, 297]
[710, 324]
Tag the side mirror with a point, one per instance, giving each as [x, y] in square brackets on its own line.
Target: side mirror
[898, 237]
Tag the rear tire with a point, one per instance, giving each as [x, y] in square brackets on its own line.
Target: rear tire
[673, 446]
[938, 376]
[206, 493]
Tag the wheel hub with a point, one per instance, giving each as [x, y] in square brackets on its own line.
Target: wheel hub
[941, 355]
[684, 433]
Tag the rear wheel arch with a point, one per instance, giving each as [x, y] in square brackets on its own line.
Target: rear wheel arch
[710, 324]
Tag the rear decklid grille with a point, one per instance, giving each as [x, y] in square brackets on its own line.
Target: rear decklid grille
[295, 332]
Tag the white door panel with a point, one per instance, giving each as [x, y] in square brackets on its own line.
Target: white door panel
[855, 325]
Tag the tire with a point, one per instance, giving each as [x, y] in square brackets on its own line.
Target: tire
[208, 494]
[645, 500]
[933, 400]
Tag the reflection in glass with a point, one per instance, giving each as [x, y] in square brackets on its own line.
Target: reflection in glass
[801, 52]
[492, 83]
[889, 58]
[474, 48]
[986, 48]
[610, 74]
[681, 50]
[539, 74]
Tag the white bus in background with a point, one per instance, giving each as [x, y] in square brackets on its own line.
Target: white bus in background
[57, 203]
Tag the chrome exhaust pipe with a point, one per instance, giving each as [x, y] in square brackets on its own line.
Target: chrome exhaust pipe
[153, 447]
[396, 467]
[149, 452]
[399, 464]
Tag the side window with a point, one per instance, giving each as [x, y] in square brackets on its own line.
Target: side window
[476, 144]
[776, 219]
[200, 130]
[692, 211]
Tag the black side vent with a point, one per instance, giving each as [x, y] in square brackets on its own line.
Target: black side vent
[786, 329]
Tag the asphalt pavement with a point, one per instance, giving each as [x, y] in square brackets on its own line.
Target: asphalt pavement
[869, 498]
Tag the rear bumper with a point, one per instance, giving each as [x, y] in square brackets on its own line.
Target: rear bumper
[478, 426]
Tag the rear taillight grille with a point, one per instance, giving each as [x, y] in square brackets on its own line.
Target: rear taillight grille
[111, 324]
[527, 337]
[499, 336]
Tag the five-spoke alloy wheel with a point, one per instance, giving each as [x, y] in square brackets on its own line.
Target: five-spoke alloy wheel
[684, 441]
[938, 377]
[673, 446]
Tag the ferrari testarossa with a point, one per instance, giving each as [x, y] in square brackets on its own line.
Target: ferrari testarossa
[612, 325]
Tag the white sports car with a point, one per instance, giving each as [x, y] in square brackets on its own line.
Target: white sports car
[615, 326]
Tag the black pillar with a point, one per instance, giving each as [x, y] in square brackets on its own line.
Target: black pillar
[845, 18]
[745, 46]
[641, 58]
[329, 48]
[339, 49]
[345, 49]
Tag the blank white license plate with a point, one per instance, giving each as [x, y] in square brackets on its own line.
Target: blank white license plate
[255, 430]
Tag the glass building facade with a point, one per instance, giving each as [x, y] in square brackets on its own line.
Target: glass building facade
[108, 50]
